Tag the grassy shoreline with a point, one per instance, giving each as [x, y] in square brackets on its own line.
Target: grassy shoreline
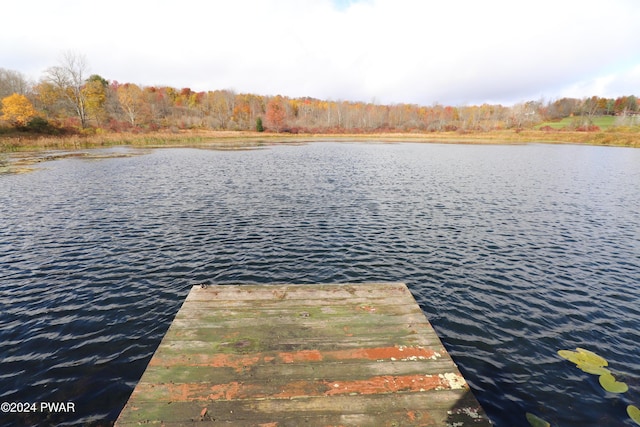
[26, 142]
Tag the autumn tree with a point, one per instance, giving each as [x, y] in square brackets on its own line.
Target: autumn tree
[220, 105]
[68, 79]
[17, 110]
[47, 100]
[131, 100]
[563, 107]
[275, 113]
[95, 91]
[256, 107]
[625, 104]
[241, 115]
[158, 104]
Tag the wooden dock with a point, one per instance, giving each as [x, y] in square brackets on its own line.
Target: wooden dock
[294, 355]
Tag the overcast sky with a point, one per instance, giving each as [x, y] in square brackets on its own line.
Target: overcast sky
[453, 52]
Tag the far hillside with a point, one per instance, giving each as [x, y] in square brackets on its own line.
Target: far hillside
[68, 101]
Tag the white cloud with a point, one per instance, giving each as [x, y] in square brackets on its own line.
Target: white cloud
[415, 51]
[621, 83]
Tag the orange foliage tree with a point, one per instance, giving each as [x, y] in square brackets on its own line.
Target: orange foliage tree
[17, 110]
[275, 113]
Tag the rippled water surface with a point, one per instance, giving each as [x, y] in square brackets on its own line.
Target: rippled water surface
[513, 252]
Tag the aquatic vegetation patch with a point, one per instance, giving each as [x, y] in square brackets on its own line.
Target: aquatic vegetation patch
[536, 421]
[591, 363]
[594, 364]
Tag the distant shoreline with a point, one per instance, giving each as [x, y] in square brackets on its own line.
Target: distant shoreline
[21, 142]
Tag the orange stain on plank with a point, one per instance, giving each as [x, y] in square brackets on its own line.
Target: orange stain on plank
[241, 362]
[301, 356]
[389, 384]
[387, 353]
[302, 388]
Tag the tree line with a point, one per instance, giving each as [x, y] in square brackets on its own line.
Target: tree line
[68, 97]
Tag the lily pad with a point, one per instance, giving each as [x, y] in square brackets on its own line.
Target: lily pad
[592, 358]
[536, 421]
[592, 369]
[634, 413]
[609, 383]
[583, 357]
[567, 354]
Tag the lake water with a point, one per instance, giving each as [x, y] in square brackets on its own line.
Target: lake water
[513, 252]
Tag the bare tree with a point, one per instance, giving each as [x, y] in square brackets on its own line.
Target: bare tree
[12, 82]
[69, 79]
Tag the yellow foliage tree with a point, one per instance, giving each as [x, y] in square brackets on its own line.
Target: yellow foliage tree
[17, 110]
[95, 91]
[131, 99]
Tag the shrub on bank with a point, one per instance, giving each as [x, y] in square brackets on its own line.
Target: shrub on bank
[588, 128]
[42, 126]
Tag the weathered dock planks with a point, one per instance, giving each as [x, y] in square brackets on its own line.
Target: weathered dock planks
[293, 355]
